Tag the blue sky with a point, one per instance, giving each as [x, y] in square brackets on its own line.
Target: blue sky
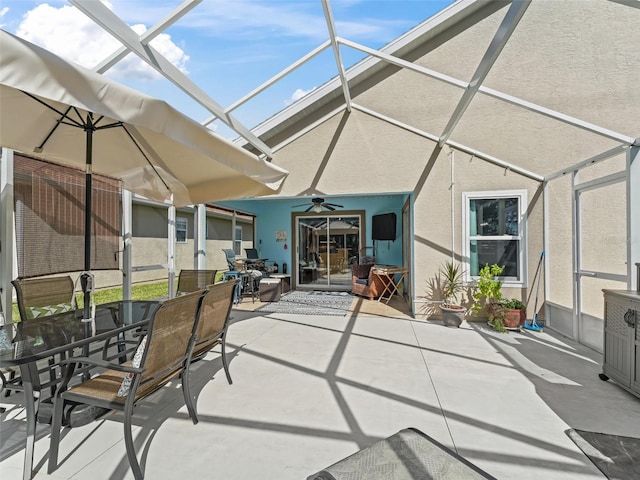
[227, 47]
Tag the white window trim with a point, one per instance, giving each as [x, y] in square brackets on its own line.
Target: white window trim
[522, 230]
[186, 229]
[237, 241]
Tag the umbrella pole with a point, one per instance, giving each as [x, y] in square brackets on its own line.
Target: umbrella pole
[85, 278]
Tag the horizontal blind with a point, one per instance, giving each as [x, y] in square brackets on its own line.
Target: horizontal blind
[49, 210]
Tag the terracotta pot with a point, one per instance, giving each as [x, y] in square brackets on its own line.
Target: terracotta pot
[514, 318]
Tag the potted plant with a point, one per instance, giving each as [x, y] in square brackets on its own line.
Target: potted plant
[488, 293]
[503, 313]
[515, 313]
[452, 277]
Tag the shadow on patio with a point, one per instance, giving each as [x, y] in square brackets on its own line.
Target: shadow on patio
[311, 390]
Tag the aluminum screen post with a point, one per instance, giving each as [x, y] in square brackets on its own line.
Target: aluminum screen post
[127, 234]
[171, 248]
[7, 231]
[633, 215]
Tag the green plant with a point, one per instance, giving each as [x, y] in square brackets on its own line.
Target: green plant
[488, 292]
[497, 316]
[514, 303]
[488, 288]
[453, 283]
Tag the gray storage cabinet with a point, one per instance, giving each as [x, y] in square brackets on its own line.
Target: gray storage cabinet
[622, 339]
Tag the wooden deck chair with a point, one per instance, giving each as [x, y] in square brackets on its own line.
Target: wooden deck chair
[163, 355]
[214, 319]
[192, 280]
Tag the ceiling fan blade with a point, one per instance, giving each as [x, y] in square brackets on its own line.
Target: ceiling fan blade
[309, 209]
[327, 205]
[333, 204]
[301, 205]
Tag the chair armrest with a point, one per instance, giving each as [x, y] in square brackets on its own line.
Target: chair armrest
[101, 363]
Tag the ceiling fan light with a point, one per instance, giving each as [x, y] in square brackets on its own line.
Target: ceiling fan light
[317, 208]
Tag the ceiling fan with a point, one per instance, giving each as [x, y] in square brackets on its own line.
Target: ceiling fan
[317, 204]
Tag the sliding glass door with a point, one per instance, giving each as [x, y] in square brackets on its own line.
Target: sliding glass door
[327, 245]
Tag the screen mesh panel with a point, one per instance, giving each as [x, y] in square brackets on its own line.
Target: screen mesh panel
[49, 209]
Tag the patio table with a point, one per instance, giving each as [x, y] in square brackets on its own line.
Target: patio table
[25, 343]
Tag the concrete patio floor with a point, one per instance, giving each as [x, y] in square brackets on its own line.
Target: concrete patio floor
[311, 390]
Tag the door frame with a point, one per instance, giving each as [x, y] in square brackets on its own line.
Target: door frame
[295, 242]
[579, 272]
[407, 249]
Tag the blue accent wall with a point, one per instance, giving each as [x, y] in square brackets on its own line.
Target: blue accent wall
[273, 215]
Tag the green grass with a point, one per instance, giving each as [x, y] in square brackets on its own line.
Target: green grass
[147, 291]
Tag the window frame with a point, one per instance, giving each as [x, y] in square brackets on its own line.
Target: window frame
[237, 240]
[521, 194]
[185, 229]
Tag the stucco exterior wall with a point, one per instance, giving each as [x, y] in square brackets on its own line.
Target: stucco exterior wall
[355, 153]
[150, 247]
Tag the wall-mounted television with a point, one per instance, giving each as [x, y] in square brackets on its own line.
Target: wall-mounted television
[383, 226]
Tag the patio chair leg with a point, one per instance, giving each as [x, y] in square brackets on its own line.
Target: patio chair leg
[56, 426]
[224, 362]
[12, 376]
[188, 399]
[128, 442]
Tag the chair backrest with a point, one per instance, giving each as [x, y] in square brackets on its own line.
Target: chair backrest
[361, 271]
[169, 340]
[252, 253]
[38, 297]
[214, 315]
[231, 257]
[192, 280]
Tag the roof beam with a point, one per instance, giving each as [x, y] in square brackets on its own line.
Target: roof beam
[533, 107]
[110, 22]
[456, 145]
[502, 36]
[328, 15]
[179, 12]
[309, 127]
[404, 63]
[278, 76]
[620, 149]
[548, 112]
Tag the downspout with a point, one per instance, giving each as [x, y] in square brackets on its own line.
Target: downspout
[453, 204]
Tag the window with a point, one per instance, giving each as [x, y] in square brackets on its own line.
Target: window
[494, 232]
[181, 230]
[237, 242]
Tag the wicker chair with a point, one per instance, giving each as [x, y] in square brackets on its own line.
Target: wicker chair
[364, 282]
[164, 354]
[192, 280]
[214, 319]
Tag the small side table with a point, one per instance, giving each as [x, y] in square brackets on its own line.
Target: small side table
[387, 275]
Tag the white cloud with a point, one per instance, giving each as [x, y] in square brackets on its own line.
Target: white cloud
[298, 94]
[3, 12]
[67, 32]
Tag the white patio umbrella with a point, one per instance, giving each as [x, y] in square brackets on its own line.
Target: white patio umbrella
[66, 113]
